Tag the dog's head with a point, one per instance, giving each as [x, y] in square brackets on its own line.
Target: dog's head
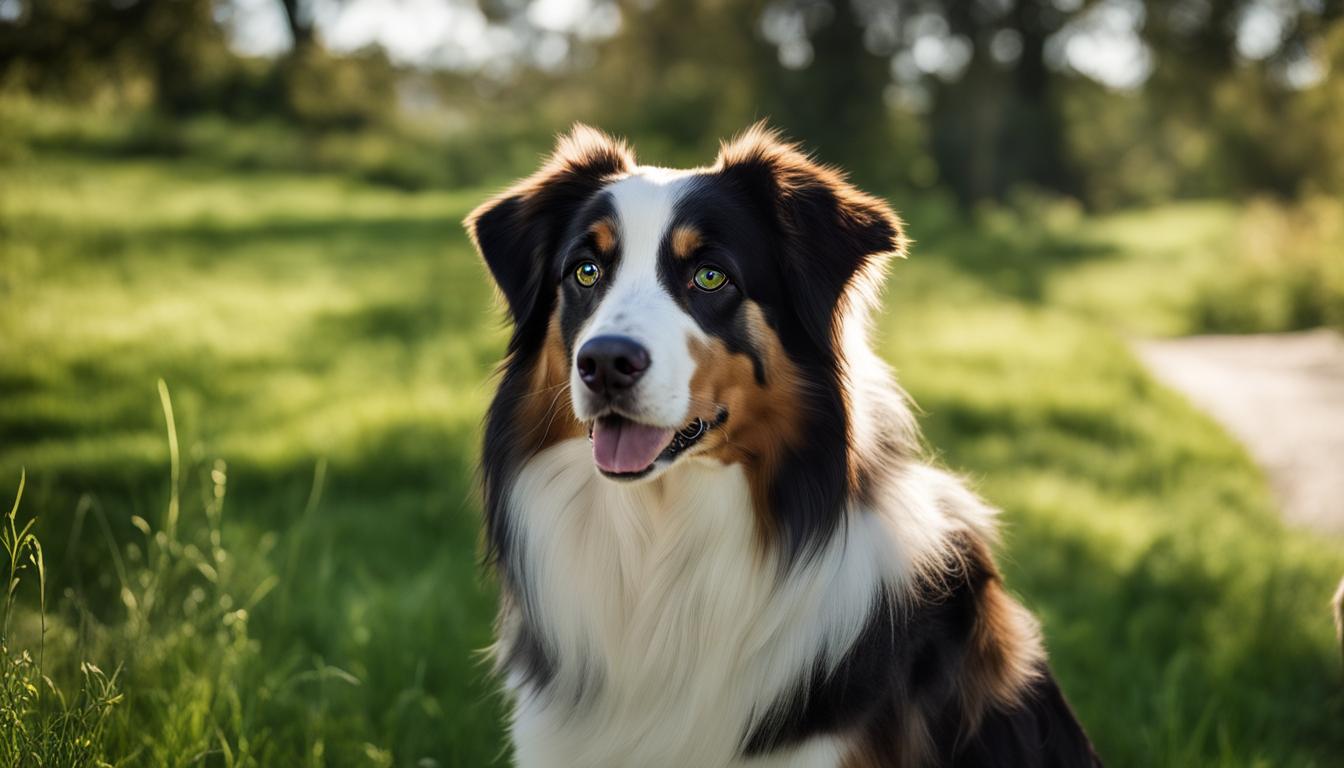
[682, 314]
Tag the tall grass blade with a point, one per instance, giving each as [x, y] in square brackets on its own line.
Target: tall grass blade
[175, 461]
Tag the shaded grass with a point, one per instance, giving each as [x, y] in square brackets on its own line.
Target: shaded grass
[320, 333]
[402, 153]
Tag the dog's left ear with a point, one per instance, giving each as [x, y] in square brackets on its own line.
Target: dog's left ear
[518, 231]
[836, 239]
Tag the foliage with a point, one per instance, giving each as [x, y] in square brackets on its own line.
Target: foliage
[38, 725]
[1286, 274]
[190, 684]
[326, 91]
[977, 97]
[173, 54]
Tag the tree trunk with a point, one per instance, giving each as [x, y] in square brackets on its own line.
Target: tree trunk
[1035, 135]
[299, 18]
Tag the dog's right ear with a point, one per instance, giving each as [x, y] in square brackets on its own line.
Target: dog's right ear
[519, 230]
[836, 240]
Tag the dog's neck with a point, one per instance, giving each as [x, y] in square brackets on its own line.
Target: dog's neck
[651, 597]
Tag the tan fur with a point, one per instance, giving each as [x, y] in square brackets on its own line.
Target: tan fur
[794, 173]
[1006, 651]
[1003, 657]
[913, 747]
[604, 235]
[861, 756]
[546, 409]
[762, 418]
[685, 241]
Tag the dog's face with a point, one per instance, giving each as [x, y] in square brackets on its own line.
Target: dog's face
[681, 314]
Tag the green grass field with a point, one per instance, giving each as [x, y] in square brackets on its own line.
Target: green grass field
[312, 594]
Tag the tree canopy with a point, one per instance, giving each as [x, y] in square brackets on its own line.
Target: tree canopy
[1108, 101]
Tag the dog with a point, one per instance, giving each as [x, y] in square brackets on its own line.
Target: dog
[704, 498]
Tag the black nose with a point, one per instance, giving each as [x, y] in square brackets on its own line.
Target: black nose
[612, 363]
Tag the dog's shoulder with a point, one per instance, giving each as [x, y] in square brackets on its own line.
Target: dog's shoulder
[978, 690]
[950, 669]
[972, 684]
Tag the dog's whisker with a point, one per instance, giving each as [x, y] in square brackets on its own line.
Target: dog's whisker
[548, 417]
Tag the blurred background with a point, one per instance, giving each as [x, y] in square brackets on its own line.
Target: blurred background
[245, 346]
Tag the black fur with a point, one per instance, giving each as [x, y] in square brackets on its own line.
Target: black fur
[578, 302]
[827, 703]
[738, 242]
[518, 236]
[825, 234]
[528, 657]
[1042, 731]
[794, 254]
[520, 233]
[907, 664]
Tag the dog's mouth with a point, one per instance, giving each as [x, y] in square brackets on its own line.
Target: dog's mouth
[626, 449]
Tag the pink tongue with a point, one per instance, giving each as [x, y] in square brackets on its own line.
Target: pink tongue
[621, 446]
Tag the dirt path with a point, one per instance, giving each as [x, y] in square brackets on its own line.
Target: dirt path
[1280, 394]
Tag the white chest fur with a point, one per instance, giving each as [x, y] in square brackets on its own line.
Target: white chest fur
[669, 630]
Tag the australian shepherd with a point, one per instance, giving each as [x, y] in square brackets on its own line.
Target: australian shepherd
[717, 541]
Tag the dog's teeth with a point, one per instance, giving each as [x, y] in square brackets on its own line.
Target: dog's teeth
[696, 429]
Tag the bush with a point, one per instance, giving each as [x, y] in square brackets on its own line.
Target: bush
[318, 89]
[1288, 273]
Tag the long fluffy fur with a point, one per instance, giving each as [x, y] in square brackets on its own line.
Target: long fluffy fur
[799, 590]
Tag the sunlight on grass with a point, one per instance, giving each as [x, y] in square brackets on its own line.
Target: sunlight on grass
[332, 342]
[1166, 257]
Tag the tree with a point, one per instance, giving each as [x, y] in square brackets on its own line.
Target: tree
[76, 47]
[301, 21]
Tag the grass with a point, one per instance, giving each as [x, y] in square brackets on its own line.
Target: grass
[402, 154]
[292, 579]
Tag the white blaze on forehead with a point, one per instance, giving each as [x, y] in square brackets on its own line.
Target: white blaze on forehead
[645, 204]
[638, 305]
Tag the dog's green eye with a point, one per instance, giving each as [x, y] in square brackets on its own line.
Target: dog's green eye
[710, 278]
[588, 273]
